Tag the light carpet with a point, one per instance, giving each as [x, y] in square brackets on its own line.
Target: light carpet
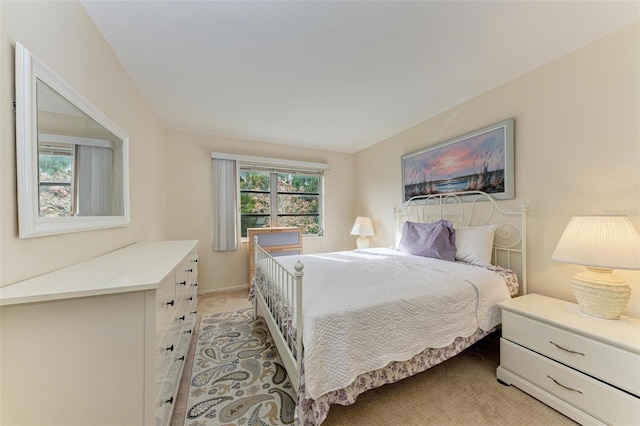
[237, 375]
[460, 391]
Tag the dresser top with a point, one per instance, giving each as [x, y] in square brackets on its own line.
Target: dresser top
[624, 332]
[140, 266]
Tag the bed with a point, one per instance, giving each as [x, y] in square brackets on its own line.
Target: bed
[375, 316]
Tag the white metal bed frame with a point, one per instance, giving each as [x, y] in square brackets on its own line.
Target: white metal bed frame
[473, 208]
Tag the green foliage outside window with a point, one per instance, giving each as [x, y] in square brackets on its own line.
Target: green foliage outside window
[55, 185]
[297, 200]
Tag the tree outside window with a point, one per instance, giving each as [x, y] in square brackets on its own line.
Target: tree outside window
[56, 168]
[280, 199]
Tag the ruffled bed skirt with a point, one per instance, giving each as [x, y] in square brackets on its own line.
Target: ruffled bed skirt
[310, 412]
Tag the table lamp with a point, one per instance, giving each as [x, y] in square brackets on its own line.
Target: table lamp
[362, 227]
[601, 243]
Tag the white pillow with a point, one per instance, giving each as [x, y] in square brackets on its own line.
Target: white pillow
[474, 244]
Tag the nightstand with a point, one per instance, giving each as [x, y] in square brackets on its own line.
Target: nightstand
[585, 367]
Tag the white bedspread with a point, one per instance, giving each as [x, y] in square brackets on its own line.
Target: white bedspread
[365, 308]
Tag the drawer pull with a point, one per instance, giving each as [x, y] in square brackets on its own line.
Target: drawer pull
[194, 285]
[194, 261]
[169, 401]
[182, 283]
[170, 348]
[181, 358]
[189, 298]
[189, 270]
[188, 331]
[170, 303]
[565, 349]
[194, 312]
[181, 318]
[563, 386]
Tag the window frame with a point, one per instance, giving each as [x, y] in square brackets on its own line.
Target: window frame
[274, 192]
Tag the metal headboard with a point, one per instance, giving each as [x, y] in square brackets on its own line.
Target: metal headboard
[474, 208]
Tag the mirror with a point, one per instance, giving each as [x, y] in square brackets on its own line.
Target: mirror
[72, 161]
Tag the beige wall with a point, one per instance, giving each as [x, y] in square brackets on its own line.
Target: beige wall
[577, 144]
[63, 36]
[190, 201]
[577, 152]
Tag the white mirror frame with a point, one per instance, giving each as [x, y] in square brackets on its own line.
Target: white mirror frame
[28, 69]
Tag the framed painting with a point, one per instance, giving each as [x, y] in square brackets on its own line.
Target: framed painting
[477, 161]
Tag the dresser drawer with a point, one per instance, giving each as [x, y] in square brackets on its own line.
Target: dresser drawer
[166, 304]
[167, 348]
[185, 277]
[192, 290]
[589, 395]
[602, 361]
[164, 404]
[191, 301]
[191, 310]
[174, 373]
[191, 266]
[182, 282]
[168, 390]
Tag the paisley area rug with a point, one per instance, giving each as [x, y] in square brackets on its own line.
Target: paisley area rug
[237, 376]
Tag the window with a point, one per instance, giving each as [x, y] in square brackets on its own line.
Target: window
[55, 183]
[77, 178]
[272, 192]
[280, 198]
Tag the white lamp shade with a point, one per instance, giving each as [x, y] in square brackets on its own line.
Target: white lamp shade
[362, 226]
[599, 241]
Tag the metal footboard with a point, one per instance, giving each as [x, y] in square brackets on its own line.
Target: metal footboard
[278, 294]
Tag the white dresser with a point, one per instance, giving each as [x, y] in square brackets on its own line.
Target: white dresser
[101, 342]
[587, 368]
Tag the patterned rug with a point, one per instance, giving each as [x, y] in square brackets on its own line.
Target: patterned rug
[237, 376]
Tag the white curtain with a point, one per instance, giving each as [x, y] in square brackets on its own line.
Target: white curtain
[225, 205]
[94, 170]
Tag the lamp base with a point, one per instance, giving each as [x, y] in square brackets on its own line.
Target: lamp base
[362, 242]
[600, 293]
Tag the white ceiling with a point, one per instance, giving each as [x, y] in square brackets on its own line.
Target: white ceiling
[335, 75]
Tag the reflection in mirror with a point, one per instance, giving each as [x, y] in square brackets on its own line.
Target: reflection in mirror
[72, 161]
[79, 161]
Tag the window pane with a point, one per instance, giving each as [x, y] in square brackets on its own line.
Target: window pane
[253, 222]
[298, 204]
[254, 181]
[55, 201]
[297, 183]
[309, 224]
[55, 179]
[297, 198]
[255, 203]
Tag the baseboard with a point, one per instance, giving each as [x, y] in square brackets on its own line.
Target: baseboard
[224, 289]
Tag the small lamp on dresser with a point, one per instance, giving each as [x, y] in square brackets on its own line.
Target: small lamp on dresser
[364, 228]
[601, 243]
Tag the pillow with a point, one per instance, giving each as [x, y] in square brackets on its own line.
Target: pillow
[474, 244]
[435, 240]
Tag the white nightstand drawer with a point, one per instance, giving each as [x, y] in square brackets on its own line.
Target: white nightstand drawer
[589, 395]
[602, 361]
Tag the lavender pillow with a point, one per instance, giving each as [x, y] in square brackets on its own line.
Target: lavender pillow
[435, 240]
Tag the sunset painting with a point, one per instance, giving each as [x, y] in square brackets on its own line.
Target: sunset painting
[476, 162]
